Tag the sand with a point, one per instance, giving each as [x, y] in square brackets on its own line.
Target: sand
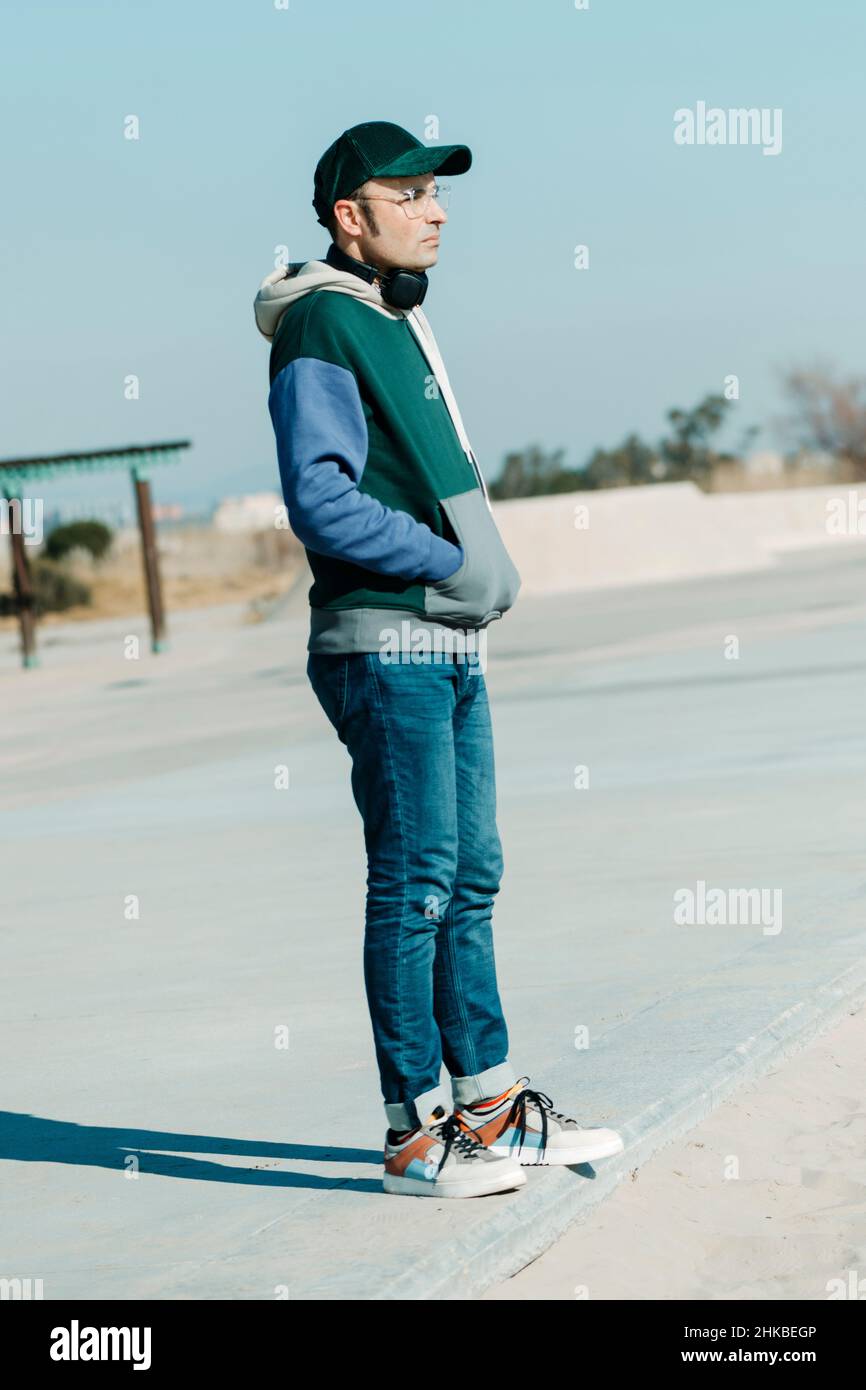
[790, 1224]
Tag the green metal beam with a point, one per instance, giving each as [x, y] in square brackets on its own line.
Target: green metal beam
[139, 456]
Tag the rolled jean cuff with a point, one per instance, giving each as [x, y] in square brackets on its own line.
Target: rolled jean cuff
[466, 1090]
[411, 1113]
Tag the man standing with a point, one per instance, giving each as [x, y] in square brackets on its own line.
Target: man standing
[383, 489]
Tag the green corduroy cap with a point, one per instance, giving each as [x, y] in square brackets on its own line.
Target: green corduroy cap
[378, 149]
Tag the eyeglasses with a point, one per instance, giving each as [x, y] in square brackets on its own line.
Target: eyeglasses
[415, 202]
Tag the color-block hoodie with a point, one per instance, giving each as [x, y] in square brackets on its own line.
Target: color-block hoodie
[378, 476]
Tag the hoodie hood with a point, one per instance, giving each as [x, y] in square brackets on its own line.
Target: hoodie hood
[282, 287]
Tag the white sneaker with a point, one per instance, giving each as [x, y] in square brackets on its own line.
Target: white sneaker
[442, 1160]
[523, 1125]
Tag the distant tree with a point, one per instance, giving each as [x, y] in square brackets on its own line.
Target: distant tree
[686, 451]
[746, 440]
[531, 472]
[53, 589]
[826, 415]
[632, 462]
[90, 535]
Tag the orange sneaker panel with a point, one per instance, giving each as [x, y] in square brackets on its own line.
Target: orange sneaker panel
[398, 1163]
[496, 1127]
[489, 1131]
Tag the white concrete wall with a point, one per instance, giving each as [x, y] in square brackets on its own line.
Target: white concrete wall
[663, 531]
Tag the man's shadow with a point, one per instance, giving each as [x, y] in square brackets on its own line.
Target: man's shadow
[34, 1139]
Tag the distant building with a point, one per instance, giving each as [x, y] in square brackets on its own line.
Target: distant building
[167, 511]
[257, 511]
[764, 463]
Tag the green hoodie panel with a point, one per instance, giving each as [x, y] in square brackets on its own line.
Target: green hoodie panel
[414, 457]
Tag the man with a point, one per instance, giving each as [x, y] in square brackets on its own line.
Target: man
[382, 487]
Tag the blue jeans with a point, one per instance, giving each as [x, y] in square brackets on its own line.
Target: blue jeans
[421, 745]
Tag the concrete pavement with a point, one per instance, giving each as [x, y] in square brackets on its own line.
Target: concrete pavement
[157, 1140]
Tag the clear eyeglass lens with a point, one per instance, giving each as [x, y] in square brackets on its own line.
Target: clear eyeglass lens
[420, 204]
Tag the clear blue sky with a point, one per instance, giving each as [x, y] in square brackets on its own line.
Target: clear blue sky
[144, 257]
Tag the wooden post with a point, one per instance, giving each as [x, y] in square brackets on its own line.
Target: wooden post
[22, 585]
[150, 557]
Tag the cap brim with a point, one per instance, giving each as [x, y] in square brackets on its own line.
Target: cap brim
[431, 159]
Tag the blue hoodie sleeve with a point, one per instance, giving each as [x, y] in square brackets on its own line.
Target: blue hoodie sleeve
[322, 441]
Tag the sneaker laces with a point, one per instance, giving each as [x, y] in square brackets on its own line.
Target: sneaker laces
[542, 1103]
[454, 1136]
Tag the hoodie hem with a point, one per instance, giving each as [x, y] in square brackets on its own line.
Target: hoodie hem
[383, 630]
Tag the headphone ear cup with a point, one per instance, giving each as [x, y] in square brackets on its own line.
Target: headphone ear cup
[403, 289]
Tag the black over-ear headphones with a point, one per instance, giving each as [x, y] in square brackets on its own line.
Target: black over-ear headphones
[401, 288]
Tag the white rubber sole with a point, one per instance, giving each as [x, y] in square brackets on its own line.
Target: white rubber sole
[481, 1186]
[586, 1152]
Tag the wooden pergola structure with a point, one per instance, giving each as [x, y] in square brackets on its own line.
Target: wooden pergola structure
[17, 477]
